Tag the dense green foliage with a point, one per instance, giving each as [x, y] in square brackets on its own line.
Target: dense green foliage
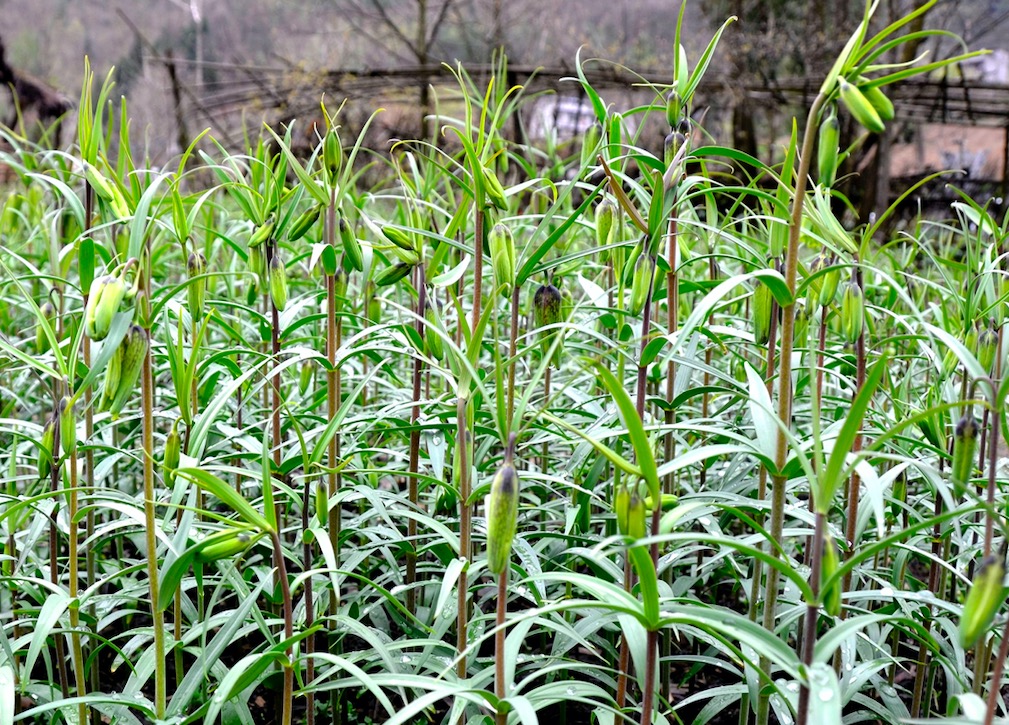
[503, 438]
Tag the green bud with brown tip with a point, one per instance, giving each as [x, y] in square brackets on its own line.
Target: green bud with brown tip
[393, 274]
[763, 305]
[278, 282]
[641, 284]
[606, 215]
[502, 513]
[332, 155]
[48, 311]
[46, 446]
[351, 247]
[304, 223]
[173, 453]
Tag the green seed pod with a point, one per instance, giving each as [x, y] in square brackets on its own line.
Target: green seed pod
[829, 564]
[351, 247]
[852, 312]
[278, 282]
[674, 108]
[546, 310]
[965, 437]
[671, 146]
[502, 254]
[502, 516]
[629, 506]
[970, 339]
[606, 215]
[641, 286]
[223, 545]
[860, 108]
[263, 232]
[197, 289]
[105, 297]
[495, 192]
[134, 349]
[985, 597]
[763, 305]
[41, 340]
[304, 223]
[877, 99]
[590, 144]
[827, 148]
[393, 274]
[173, 453]
[46, 444]
[332, 155]
[987, 347]
[68, 427]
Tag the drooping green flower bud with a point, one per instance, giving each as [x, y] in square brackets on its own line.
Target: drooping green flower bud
[196, 265]
[432, 337]
[495, 192]
[827, 148]
[134, 349]
[877, 99]
[629, 507]
[263, 232]
[860, 108]
[965, 437]
[671, 146]
[332, 155]
[987, 348]
[502, 254]
[674, 108]
[606, 214]
[173, 453]
[829, 564]
[224, 545]
[351, 247]
[763, 305]
[278, 282]
[502, 513]
[641, 285]
[105, 297]
[257, 265]
[304, 223]
[986, 595]
[546, 312]
[852, 312]
[305, 377]
[393, 274]
[68, 427]
[46, 448]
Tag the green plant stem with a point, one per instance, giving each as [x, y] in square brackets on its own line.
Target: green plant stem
[500, 686]
[73, 592]
[465, 525]
[413, 494]
[478, 237]
[150, 520]
[778, 480]
[512, 361]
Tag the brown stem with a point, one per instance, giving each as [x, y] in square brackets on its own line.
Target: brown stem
[500, 686]
[465, 523]
[418, 370]
[855, 483]
[285, 590]
[995, 688]
[812, 614]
